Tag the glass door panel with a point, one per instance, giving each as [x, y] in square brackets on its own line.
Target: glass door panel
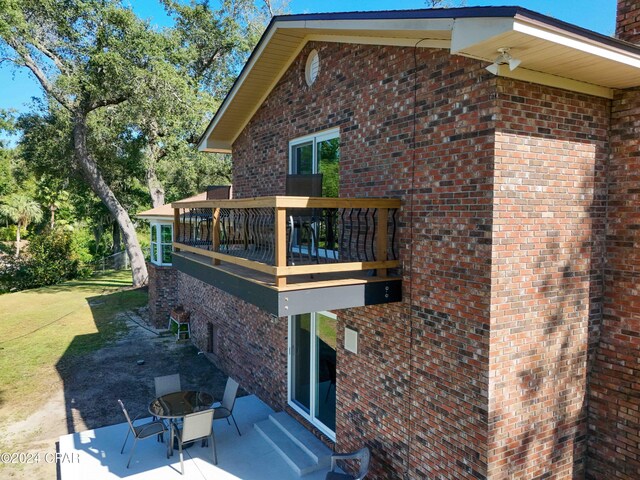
[325, 391]
[301, 361]
[302, 158]
[328, 155]
[312, 368]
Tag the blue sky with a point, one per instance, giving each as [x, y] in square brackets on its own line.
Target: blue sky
[17, 87]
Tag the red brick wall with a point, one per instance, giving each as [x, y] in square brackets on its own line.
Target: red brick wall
[549, 212]
[481, 371]
[614, 413]
[251, 344]
[162, 294]
[368, 92]
[628, 21]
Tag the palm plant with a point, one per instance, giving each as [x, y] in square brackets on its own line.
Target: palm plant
[22, 210]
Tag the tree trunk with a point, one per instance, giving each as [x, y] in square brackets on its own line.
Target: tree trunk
[117, 238]
[156, 190]
[154, 153]
[101, 189]
[18, 240]
[119, 262]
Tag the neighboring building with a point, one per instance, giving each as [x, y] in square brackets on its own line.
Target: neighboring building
[485, 324]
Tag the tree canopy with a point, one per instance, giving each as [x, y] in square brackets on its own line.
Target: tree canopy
[125, 101]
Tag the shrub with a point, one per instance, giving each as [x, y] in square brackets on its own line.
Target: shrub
[8, 234]
[52, 257]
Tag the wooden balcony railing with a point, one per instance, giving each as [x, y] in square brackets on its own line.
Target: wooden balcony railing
[285, 236]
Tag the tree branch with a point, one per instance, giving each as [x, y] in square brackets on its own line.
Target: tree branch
[30, 63]
[105, 102]
[209, 62]
[52, 56]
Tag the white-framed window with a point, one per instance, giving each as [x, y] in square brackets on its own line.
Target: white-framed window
[318, 153]
[161, 243]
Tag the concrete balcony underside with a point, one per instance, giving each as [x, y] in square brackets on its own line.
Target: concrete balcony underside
[301, 294]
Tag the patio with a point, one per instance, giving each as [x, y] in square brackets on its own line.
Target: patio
[96, 454]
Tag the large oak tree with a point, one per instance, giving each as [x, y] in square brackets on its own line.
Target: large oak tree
[87, 55]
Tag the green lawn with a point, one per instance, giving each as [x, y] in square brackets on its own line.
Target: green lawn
[39, 327]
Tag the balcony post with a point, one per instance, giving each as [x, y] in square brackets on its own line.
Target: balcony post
[382, 240]
[281, 243]
[215, 238]
[176, 227]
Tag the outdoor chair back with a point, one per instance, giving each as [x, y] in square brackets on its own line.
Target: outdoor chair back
[196, 426]
[218, 192]
[140, 432]
[225, 410]
[168, 384]
[363, 456]
[304, 219]
[229, 396]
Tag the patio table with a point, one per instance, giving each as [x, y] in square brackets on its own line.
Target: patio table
[173, 406]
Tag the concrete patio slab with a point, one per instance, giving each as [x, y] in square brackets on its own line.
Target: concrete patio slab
[96, 454]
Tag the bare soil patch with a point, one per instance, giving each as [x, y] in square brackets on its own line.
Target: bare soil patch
[84, 395]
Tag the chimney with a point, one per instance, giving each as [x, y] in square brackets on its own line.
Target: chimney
[628, 21]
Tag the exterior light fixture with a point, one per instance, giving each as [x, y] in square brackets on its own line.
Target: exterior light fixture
[504, 58]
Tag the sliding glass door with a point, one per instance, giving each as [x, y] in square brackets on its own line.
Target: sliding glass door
[318, 153]
[312, 368]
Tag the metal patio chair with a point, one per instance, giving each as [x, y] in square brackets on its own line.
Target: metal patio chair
[195, 426]
[140, 432]
[304, 219]
[363, 456]
[167, 384]
[225, 408]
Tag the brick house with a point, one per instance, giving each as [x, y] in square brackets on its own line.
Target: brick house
[462, 296]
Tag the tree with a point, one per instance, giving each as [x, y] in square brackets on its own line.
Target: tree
[22, 210]
[7, 126]
[445, 3]
[88, 56]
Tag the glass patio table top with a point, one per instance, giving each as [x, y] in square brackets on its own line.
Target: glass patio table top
[179, 404]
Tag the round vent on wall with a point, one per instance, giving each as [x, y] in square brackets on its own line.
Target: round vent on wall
[312, 68]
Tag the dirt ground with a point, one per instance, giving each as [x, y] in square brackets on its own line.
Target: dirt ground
[86, 397]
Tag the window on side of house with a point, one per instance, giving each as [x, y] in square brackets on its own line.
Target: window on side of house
[166, 247]
[161, 244]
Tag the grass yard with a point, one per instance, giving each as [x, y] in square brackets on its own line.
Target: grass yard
[42, 326]
[70, 352]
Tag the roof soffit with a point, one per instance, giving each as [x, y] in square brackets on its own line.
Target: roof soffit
[551, 54]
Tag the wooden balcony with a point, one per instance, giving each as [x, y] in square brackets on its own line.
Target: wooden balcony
[292, 255]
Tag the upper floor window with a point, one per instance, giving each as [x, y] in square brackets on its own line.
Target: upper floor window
[161, 243]
[318, 153]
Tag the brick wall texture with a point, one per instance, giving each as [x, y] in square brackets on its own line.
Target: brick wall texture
[548, 246]
[614, 413]
[482, 371]
[628, 21]
[163, 294]
[250, 344]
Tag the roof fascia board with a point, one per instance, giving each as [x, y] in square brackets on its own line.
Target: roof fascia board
[470, 31]
[264, 41]
[155, 218]
[578, 43]
[365, 40]
[549, 80]
[277, 78]
[418, 24]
